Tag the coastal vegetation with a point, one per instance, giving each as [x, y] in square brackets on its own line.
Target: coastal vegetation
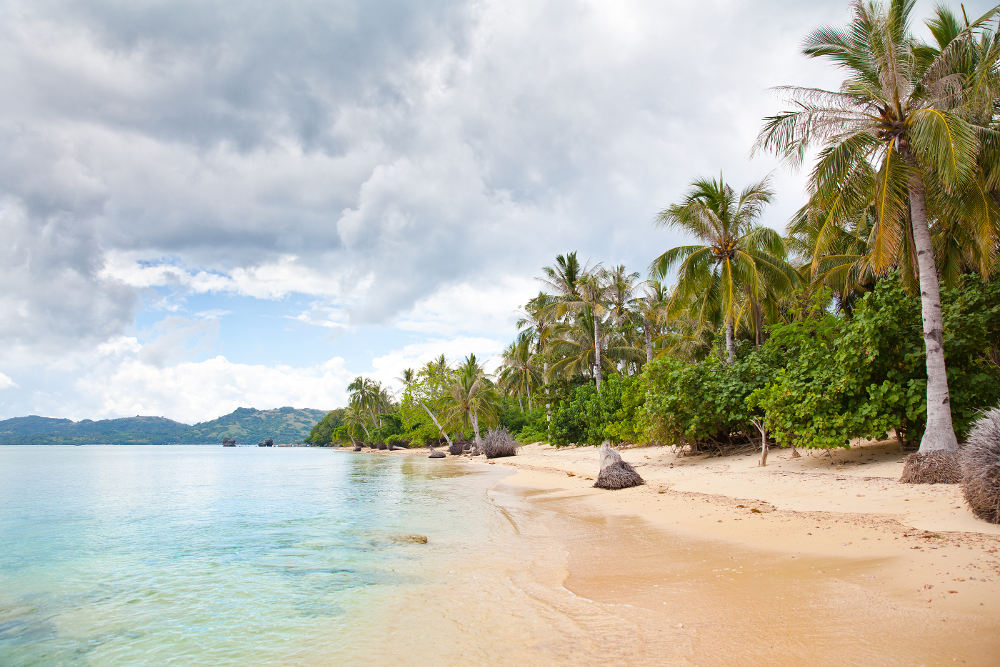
[876, 314]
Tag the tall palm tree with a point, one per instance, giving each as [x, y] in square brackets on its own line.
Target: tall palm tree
[580, 353]
[537, 323]
[737, 264]
[908, 128]
[563, 277]
[472, 396]
[651, 308]
[519, 374]
[370, 396]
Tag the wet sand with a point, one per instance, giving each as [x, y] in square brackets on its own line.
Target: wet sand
[818, 560]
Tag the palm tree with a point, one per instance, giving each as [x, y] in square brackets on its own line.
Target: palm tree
[519, 374]
[738, 264]
[651, 307]
[370, 396]
[579, 352]
[910, 126]
[354, 419]
[564, 276]
[537, 323]
[472, 396]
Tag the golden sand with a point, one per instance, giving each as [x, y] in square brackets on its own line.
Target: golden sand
[822, 560]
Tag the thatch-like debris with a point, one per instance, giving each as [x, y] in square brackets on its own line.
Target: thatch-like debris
[357, 448]
[615, 473]
[499, 442]
[981, 467]
[935, 467]
[457, 447]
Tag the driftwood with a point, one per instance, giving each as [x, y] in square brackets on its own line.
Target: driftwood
[435, 454]
[981, 467]
[615, 473]
[357, 448]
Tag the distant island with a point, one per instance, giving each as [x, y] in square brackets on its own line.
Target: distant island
[245, 425]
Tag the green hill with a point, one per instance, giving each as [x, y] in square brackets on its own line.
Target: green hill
[247, 425]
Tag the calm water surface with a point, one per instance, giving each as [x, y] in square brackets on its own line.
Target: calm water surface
[142, 555]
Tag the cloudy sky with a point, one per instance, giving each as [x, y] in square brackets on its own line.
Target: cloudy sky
[208, 205]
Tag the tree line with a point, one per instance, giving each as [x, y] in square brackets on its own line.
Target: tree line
[875, 312]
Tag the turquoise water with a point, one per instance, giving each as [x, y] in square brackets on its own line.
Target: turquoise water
[143, 555]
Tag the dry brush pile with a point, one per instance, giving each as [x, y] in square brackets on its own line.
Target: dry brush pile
[499, 442]
[980, 464]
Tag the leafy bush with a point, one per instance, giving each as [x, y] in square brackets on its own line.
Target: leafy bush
[846, 378]
[701, 403]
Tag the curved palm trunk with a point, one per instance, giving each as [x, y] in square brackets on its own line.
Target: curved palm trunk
[940, 433]
[434, 419]
[597, 352]
[730, 340]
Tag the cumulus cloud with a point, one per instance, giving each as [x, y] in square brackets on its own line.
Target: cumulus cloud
[404, 164]
[53, 294]
[6, 382]
[198, 391]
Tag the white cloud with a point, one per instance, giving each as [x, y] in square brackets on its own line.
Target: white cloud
[203, 390]
[410, 166]
[388, 367]
[6, 382]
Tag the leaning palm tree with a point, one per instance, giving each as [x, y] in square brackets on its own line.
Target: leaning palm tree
[907, 122]
[737, 263]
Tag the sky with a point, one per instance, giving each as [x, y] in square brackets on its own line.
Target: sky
[208, 205]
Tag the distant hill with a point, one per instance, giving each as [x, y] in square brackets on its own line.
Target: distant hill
[247, 425]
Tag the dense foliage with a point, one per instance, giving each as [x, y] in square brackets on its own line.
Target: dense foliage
[875, 314]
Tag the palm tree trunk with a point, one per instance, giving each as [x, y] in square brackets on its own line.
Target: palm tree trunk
[597, 352]
[730, 340]
[519, 403]
[939, 433]
[649, 338]
[434, 419]
[529, 401]
[548, 403]
[474, 418]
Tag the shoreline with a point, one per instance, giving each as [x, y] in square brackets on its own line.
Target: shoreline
[734, 557]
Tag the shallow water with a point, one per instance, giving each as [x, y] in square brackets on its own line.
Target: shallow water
[143, 555]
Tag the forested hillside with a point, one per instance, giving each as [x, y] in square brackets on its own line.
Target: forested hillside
[246, 425]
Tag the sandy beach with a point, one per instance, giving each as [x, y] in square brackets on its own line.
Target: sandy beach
[824, 558]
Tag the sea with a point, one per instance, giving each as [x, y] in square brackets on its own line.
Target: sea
[148, 555]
